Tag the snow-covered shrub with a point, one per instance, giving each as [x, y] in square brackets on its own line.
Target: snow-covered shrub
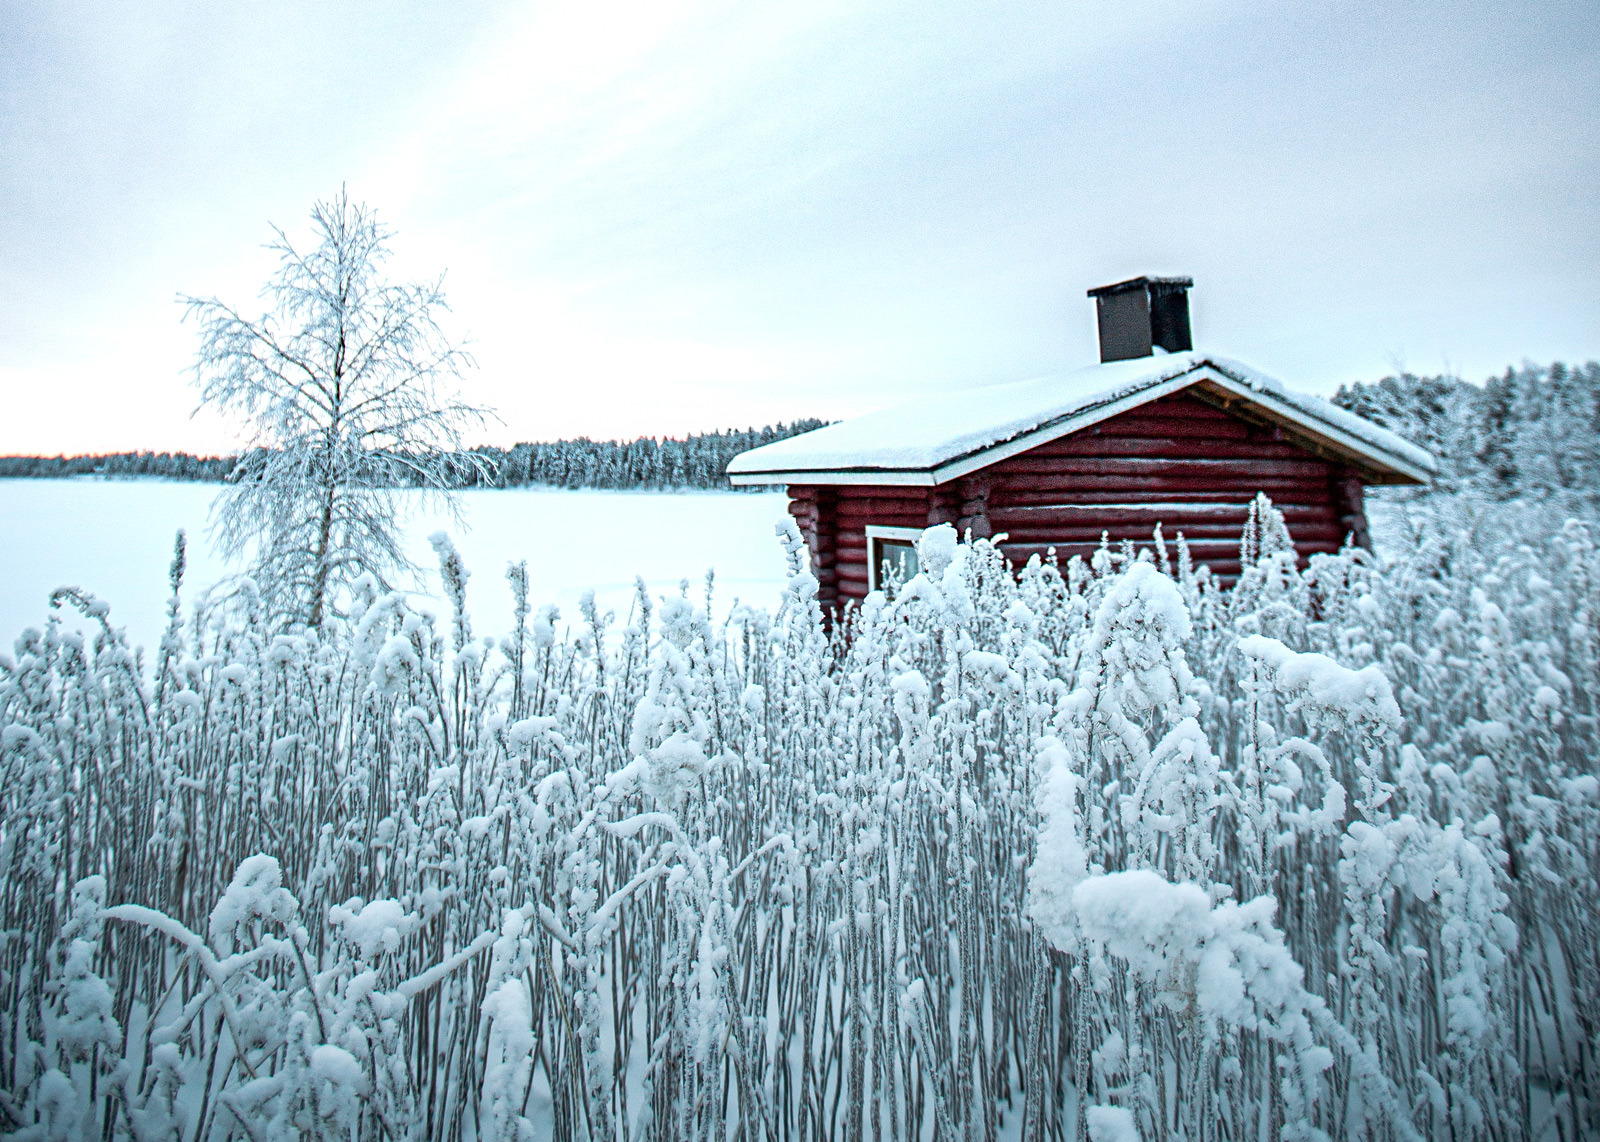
[1103, 846]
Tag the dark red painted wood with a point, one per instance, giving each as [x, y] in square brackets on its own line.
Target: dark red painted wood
[1176, 461]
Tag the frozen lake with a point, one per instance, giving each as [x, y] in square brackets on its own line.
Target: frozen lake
[114, 538]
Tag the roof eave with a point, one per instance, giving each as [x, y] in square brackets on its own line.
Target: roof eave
[888, 477]
[972, 461]
[1075, 421]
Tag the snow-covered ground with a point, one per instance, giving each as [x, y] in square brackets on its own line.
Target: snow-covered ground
[500, 870]
[114, 538]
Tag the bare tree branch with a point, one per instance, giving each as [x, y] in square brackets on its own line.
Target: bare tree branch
[344, 385]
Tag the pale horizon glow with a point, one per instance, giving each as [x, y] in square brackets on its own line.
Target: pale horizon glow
[683, 216]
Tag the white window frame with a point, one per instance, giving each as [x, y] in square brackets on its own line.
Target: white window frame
[874, 532]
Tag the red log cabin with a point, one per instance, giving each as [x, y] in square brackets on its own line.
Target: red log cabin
[1155, 433]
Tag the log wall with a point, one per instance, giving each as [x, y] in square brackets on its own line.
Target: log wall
[1177, 461]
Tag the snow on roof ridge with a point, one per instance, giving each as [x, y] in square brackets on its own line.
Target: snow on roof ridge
[932, 431]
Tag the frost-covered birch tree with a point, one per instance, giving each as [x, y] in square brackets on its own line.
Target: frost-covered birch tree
[347, 390]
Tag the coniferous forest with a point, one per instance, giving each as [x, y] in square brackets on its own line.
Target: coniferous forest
[699, 460]
[1530, 432]
[158, 465]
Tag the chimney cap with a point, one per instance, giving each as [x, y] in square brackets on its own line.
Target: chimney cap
[1154, 285]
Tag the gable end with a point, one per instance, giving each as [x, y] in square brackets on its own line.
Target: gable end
[1326, 441]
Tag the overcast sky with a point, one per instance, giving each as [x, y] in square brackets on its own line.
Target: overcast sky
[687, 214]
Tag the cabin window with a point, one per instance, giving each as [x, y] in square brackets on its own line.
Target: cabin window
[891, 555]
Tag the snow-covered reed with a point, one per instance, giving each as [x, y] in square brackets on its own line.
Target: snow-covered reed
[1099, 851]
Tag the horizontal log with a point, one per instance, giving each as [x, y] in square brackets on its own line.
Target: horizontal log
[1322, 533]
[851, 508]
[1133, 490]
[1197, 469]
[1170, 527]
[1088, 444]
[1183, 400]
[864, 506]
[850, 496]
[860, 521]
[1209, 545]
[1221, 558]
[858, 524]
[1019, 553]
[1223, 544]
[1013, 494]
[1179, 406]
[876, 513]
[1199, 474]
[1315, 536]
[858, 527]
[898, 509]
[1225, 569]
[1152, 512]
[1059, 520]
[1130, 424]
[1239, 487]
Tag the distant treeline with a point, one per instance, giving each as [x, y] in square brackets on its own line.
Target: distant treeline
[1534, 431]
[698, 461]
[1531, 431]
[168, 465]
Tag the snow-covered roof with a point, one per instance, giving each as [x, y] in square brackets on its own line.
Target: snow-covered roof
[941, 438]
